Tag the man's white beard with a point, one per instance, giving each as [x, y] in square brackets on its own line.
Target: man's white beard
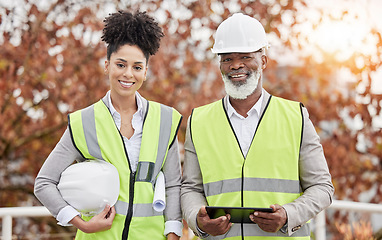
[241, 90]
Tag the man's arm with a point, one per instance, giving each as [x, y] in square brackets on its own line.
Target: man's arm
[315, 180]
[192, 193]
[192, 196]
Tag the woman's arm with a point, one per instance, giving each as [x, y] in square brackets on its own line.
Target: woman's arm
[45, 188]
[62, 156]
[172, 174]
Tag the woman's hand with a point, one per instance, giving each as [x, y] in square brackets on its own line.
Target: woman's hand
[100, 222]
[172, 236]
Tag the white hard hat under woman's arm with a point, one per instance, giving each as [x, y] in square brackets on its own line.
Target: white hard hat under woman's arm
[62, 156]
[45, 189]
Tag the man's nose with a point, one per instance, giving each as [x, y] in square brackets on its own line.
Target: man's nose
[237, 64]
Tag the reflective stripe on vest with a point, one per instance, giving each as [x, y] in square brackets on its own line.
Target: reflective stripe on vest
[147, 172]
[268, 174]
[253, 232]
[139, 209]
[252, 184]
[95, 135]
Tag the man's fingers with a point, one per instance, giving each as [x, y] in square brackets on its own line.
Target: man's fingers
[202, 211]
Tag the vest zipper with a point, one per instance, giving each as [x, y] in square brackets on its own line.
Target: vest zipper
[242, 197]
[129, 215]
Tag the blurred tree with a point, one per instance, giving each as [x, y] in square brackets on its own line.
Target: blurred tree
[47, 70]
[51, 63]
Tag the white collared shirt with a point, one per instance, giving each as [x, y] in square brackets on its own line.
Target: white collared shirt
[245, 127]
[133, 145]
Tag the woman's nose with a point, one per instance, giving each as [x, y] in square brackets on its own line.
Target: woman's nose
[128, 74]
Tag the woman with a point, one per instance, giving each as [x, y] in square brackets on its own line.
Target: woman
[129, 134]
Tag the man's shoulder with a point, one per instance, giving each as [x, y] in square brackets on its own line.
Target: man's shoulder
[209, 105]
[286, 102]
[208, 111]
[284, 99]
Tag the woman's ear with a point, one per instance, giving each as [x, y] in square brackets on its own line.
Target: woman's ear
[106, 69]
[146, 73]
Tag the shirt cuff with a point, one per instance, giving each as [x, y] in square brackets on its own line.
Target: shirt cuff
[66, 215]
[173, 227]
[284, 229]
[201, 233]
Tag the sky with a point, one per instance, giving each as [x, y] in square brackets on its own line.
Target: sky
[344, 34]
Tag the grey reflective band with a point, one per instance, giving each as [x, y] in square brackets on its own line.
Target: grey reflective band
[272, 185]
[252, 184]
[164, 136]
[145, 172]
[89, 126]
[139, 210]
[253, 230]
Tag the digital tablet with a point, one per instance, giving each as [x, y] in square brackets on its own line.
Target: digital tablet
[238, 214]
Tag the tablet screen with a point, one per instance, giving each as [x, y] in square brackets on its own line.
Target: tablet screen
[238, 214]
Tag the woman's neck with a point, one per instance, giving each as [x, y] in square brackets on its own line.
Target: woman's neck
[124, 103]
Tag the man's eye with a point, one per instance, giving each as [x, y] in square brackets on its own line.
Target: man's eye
[226, 60]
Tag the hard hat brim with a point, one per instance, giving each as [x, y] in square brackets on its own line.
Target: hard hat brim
[238, 49]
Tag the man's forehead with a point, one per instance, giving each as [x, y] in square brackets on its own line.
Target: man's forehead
[235, 53]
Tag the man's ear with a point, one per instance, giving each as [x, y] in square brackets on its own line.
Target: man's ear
[264, 61]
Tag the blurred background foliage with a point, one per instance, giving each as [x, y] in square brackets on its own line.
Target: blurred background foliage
[328, 58]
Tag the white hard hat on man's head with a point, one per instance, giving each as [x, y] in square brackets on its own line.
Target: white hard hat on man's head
[88, 186]
[239, 33]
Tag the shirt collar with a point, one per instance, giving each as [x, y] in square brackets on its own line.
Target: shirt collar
[255, 108]
[137, 97]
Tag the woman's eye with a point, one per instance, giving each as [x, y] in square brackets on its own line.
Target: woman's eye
[120, 65]
[138, 68]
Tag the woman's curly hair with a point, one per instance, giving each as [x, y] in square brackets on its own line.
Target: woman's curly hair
[133, 29]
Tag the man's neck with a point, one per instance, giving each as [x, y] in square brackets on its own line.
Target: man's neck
[242, 106]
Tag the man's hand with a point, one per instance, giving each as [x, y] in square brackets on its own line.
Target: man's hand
[213, 227]
[270, 222]
[100, 222]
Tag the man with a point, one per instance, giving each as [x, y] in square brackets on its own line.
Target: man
[251, 149]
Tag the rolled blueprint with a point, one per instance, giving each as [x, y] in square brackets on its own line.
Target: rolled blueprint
[159, 201]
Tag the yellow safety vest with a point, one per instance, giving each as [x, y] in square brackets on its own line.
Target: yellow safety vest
[269, 174]
[96, 136]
